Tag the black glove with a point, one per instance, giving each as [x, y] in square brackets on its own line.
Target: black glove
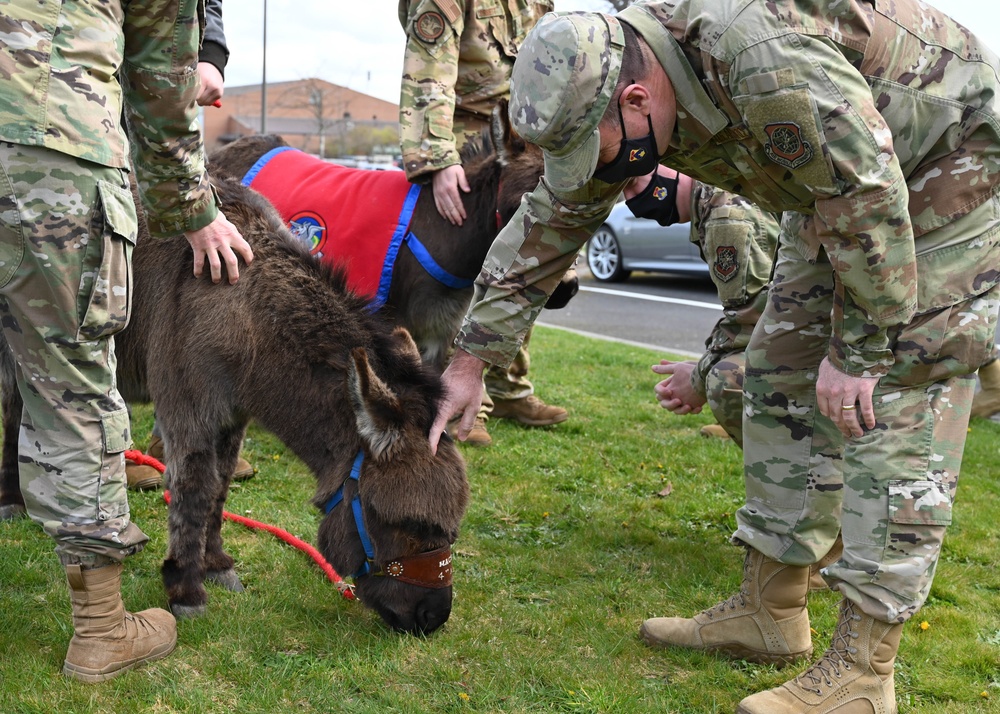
[564, 292]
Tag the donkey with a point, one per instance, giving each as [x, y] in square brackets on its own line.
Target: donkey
[291, 348]
[437, 262]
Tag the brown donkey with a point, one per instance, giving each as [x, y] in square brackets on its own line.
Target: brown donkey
[289, 347]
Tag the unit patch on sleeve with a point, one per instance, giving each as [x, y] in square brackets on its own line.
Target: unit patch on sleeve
[726, 262]
[429, 26]
[785, 145]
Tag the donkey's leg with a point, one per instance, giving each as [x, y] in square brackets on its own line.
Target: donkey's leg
[194, 490]
[11, 502]
[219, 565]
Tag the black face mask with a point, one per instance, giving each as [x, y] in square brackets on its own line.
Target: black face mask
[636, 157]
[658, 201]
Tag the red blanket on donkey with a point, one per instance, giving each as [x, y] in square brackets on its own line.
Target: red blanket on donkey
[311, 195]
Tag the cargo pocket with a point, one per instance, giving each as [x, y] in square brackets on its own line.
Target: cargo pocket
[105, 295]
[919, 513]
[439, 126]
[116, 433]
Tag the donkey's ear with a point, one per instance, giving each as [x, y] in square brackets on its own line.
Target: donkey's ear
[376, 407]
[508, 142]
[406, 342]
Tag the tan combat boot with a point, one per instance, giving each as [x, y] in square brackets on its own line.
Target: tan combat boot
[530, 411]
[108, 640]
[478, 436]
[854, 676]
[714, 431]
[986, 403]
[766, 621]
[816, 581]
[142, 477]
[243, 468]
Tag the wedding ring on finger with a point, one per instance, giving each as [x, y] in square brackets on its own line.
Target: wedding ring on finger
[848, 407]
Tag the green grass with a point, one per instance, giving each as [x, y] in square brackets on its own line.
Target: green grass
[565, 550]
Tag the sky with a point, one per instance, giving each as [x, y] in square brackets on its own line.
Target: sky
[360, 44]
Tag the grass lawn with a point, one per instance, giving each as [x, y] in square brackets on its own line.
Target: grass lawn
[567, 546]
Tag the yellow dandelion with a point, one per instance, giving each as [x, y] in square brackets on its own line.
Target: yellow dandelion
[925, 625]
[984, 694]
[463, 696]
[545, 515]
[276, 457]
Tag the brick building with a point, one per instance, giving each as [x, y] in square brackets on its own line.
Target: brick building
[310, 114]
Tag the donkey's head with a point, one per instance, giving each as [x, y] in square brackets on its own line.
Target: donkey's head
[393, 522]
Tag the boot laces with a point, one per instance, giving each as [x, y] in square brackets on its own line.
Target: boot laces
[839, 657]
[740, 596]
[143, 626]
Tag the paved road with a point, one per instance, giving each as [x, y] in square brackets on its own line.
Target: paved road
[665, 312]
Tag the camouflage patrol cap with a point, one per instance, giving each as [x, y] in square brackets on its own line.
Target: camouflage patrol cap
[565, 74]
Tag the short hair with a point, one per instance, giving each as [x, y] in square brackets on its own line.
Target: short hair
[633, 69]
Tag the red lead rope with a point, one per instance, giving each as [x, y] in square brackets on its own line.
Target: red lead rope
[345, 588]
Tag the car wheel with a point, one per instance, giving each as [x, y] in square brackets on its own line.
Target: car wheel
[604, 257]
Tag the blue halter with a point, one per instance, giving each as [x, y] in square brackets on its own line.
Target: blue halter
[359, 518]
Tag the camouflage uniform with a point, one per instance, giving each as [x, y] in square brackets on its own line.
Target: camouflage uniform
[67, 227]
[738, 241]
[879, 138]
[459, 56]
[457, 66]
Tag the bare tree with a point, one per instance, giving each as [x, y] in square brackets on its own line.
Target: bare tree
[324, 105]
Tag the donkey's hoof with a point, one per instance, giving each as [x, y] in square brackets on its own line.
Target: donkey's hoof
[187, 612]
[11, 512]
[226, 578]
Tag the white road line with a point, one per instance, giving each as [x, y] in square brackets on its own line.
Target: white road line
[607, 338]
[652, 298]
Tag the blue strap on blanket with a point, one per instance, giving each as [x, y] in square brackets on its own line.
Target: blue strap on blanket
[428, 263]
[262, 162]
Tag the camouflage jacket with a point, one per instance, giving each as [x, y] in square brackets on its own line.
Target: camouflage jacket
[459, 55]
[879, 130]
[738, 241]
[71, 67]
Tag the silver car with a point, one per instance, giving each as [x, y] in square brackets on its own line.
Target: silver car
[626, 243]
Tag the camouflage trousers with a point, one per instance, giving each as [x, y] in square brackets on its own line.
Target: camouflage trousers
[889, 491]
[510, 382]
[67, 228]
[724, 390]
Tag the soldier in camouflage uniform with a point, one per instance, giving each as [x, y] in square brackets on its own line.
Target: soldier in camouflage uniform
[67, 227]
[737, 240]
[457, 66]
[878, 137]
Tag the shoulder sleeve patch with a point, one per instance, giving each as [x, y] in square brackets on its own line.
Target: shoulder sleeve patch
[787, 125]
[429, 26]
